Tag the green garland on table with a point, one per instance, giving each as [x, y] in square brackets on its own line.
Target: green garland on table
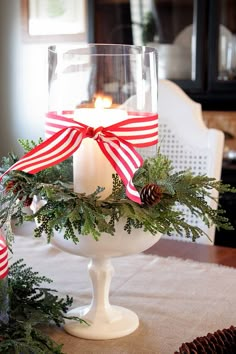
[77, 213]
[32, 307]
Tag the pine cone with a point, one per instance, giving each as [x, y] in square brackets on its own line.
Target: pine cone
[220, 342]
[151, 194]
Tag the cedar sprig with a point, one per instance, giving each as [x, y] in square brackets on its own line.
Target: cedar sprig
[8, 161]
[186, 189]
[23, 338]
[31, 301]
[73, 213]
[118, 191]
[31, 307]
[28, 145]
[132, 223]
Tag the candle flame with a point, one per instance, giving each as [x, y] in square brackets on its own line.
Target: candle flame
[103, 102]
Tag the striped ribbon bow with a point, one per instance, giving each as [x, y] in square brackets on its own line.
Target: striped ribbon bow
[116, 141]
[3, 258]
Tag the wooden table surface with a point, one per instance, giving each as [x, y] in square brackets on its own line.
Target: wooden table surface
[197, 252]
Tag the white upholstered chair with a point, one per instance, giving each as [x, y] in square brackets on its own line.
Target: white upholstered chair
[186, 140]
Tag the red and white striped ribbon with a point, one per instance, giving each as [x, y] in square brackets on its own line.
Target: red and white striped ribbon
[116, 141]
[3, 258]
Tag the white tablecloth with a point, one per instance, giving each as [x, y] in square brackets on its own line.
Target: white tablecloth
[176, 300]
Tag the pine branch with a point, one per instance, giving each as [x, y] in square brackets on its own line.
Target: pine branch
[28, 145]
[31, 307]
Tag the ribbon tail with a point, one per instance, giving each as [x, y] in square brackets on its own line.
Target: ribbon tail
[125, 161]
[3, 258]
[52, 151]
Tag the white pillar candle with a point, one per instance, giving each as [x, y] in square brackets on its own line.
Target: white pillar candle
[90, 167]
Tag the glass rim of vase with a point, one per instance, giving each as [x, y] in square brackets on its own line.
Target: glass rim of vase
[130, 49]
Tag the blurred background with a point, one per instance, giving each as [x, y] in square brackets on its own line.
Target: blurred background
[196, 42]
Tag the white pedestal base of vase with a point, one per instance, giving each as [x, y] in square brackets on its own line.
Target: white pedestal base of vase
[105, 321]
[124, 322]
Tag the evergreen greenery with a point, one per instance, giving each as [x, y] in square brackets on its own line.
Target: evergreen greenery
[149, 28]
[77, 213]
[31, 307]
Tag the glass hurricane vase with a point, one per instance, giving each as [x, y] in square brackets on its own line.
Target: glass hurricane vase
[100, 87]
